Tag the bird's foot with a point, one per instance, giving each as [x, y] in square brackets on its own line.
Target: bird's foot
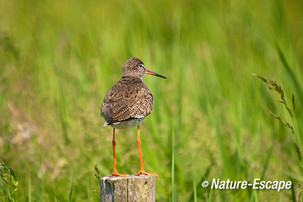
[143, 172]
[115, 174]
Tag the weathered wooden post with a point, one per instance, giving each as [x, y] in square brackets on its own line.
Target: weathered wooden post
[131, 188]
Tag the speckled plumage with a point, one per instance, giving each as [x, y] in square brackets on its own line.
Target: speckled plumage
[129, 101]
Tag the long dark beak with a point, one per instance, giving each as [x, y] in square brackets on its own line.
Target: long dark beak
[154, 74]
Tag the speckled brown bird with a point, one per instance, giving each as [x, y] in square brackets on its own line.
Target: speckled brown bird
[127, 103]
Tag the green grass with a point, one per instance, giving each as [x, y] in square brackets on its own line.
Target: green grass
[58, 59]
[8, 183]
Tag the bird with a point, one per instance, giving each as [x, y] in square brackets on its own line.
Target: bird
[127, 103]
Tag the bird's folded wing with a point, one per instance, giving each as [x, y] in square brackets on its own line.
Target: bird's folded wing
[125, 101]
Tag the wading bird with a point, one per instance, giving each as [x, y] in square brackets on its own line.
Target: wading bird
[127, 103]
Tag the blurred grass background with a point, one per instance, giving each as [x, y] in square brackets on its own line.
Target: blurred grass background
[59, 58]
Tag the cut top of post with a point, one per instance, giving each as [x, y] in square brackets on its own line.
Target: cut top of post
[130, 188]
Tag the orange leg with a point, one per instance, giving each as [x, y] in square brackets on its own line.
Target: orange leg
[114, 145]
[142, 171]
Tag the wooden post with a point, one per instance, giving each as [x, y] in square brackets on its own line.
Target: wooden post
[131, 188]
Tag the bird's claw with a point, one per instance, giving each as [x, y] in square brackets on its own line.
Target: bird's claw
[115, 174]
[143, 172]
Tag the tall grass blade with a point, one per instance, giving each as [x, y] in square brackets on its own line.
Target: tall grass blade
[265, 165]
[194, 178]
[173, 193]
[71, 189]
[290, 73]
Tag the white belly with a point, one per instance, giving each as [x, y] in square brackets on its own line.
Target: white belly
[127, 124]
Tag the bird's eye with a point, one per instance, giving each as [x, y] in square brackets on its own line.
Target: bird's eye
[141, 65]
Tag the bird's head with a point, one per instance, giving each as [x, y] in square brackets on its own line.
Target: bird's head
[135, 67]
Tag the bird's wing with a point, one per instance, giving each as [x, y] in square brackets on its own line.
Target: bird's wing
[127, 99]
